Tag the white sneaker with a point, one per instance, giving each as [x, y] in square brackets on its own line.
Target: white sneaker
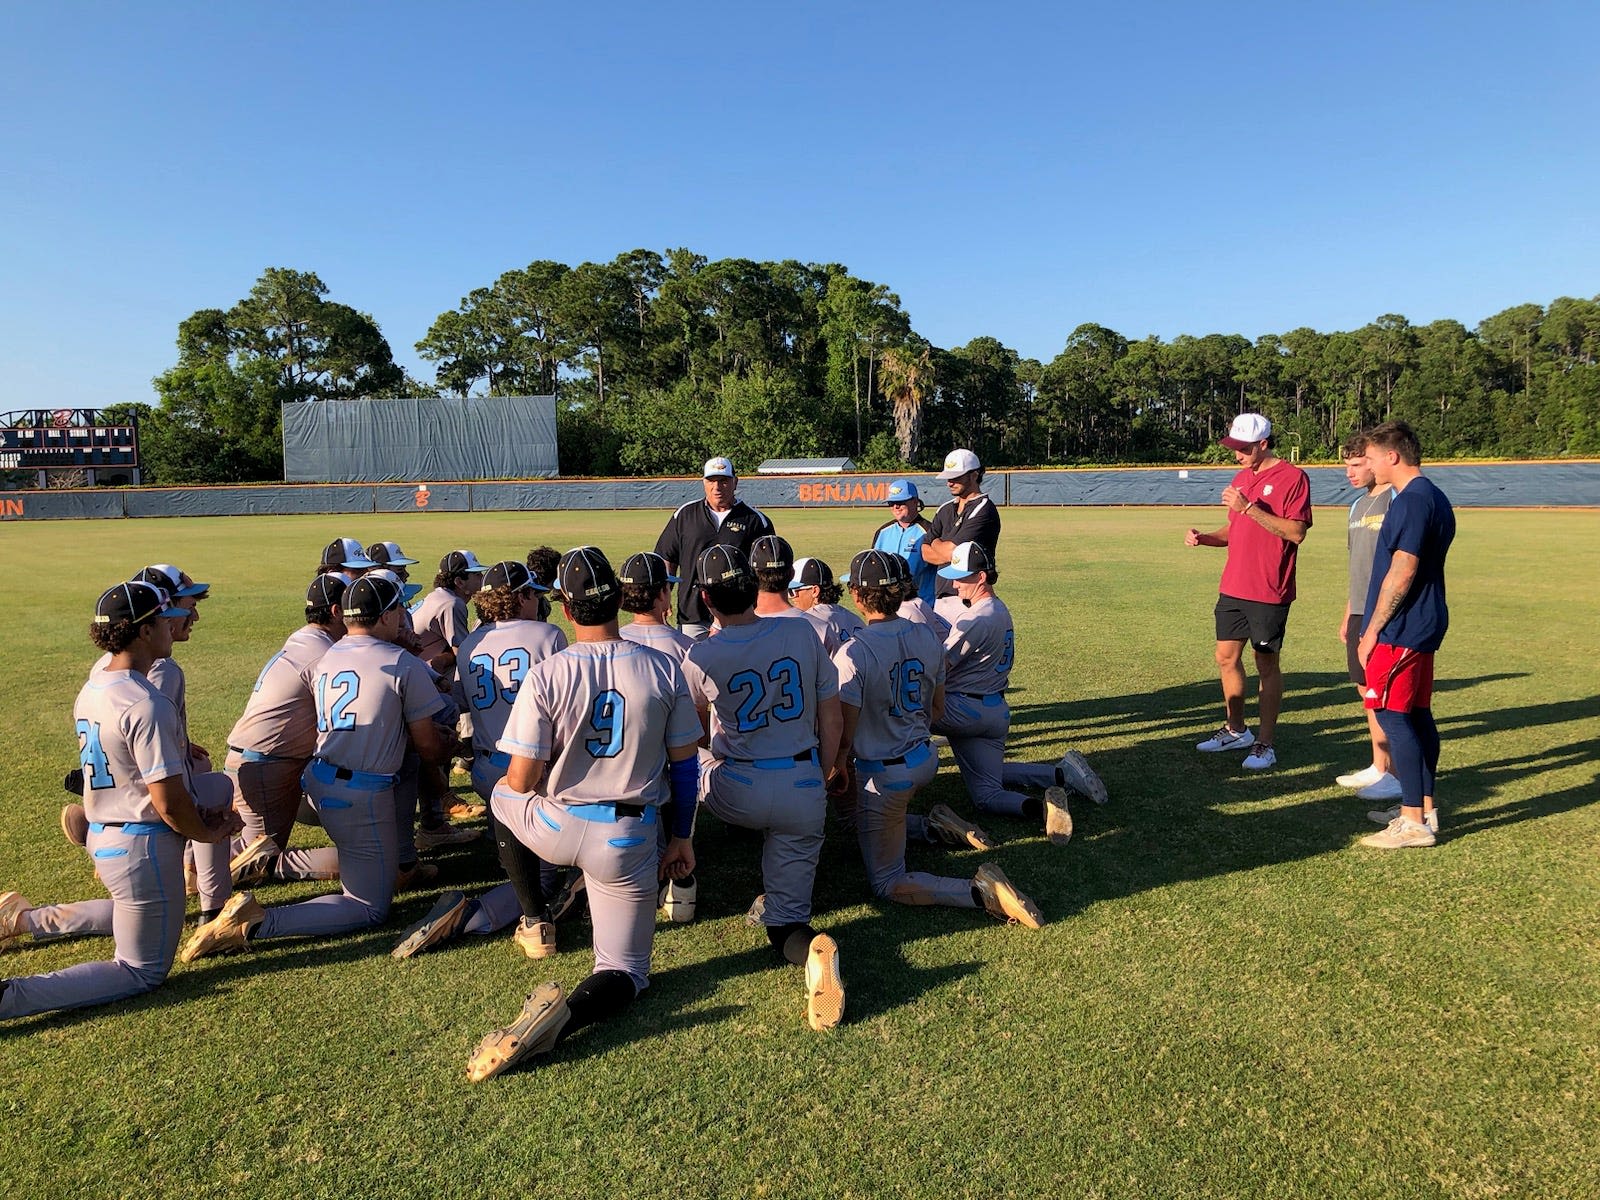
[1387, 787]
[1260, 758]
[1227, 739]
[1383, 816]
[1400, 834]
[1365, 777]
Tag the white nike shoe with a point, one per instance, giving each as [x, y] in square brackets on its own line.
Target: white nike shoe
[1227, 739]
[1387, 787]
[1260, 758]
[1365, 777]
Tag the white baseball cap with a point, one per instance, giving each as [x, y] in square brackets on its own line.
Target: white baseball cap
[968, 559]
[1247, 429]
[718, 468]
[959, 462]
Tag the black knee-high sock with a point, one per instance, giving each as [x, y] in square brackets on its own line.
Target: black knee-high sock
[598, 998]
[792, 941]
[523, 868]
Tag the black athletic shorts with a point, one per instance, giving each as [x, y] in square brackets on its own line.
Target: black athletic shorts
[1262, 625]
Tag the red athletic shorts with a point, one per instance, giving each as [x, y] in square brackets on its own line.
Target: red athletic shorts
[1399, 679]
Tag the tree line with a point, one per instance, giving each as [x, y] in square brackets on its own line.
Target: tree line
[657, 359]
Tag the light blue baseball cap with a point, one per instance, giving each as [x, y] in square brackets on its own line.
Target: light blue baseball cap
[902, 490]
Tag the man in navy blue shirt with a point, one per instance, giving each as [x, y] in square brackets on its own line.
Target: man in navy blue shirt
[1406, 620]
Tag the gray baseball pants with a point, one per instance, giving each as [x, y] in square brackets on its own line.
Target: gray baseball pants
[785, 800]
[141, 865]
[358, 813]
[618, 856]
[882, 795]
[267, 795]
[977, 731]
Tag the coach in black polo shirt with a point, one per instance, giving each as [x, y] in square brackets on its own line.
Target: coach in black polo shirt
[968, 516]
[718, 520]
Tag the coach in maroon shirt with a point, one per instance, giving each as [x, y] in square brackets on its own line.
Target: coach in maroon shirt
[1269, 511]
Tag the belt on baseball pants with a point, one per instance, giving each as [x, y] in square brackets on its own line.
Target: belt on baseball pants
[256, 756]
[607, 813]
[362, 781]
[495, 758]
[778, 764]
[990, 699]
[132, 828]
[913, 757]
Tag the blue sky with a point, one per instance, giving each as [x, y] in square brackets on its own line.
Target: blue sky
[1011, 170]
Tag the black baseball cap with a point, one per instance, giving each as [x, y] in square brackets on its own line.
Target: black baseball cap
[170, 580]
[771, 553]
[723, 564]
[346, 552]
[135, 601]
[586, 574]
[326, 590]
[461, 562]
[875, 568]
[511, 575]
[390, 553]
[647, 570]
[368, 598]
[811, 572]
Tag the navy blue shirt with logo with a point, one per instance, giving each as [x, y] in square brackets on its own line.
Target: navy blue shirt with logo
[1421, 522]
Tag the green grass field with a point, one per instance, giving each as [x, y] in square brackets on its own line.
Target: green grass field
[1230, 998]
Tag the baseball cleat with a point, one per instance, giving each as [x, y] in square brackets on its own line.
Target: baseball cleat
[573, 897]
[75, 824]
[544, 1015]
[445, 835]
[228, 932]
[1227, 739]
[461, 810]
[1057, 817]
[824, 988]
[1077, 774]
[417, 875]
[954, 830]
[536, 939]
[12, 906]
[254, 863]
[443, 922]
[677, 900]
[756, 914]
[1001, 898]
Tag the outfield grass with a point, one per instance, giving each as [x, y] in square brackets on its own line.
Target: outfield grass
[1228, 999]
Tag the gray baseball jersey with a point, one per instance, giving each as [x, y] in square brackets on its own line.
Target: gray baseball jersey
[919, 612]
[602, 715]
[490, 665]
[440, 621]
[280, 718]
[367, 691]
[826, 634]
[890, 671]
[980, 648]
[845, 624]
[128, 738]
[664, 638]
[764, 681]
[1361, 539]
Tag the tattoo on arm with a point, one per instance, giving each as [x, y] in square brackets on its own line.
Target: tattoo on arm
[1396, 584]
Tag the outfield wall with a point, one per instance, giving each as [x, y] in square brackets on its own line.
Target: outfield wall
[1469, 485]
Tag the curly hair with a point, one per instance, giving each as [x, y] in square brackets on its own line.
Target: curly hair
[881, 599]
[637, 598]
[543, 562]
[117, 636]
[592, 610]
[500, 604]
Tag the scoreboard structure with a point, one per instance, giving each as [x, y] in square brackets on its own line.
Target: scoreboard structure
[68, 447]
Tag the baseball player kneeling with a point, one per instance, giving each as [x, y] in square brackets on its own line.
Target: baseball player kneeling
[370, 696]
[776, 699]
[891, 685]
[607, 733]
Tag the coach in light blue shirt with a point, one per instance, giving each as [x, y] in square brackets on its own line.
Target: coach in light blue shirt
[903, 535]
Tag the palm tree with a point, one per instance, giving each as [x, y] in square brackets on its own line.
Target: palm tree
[905, 374]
